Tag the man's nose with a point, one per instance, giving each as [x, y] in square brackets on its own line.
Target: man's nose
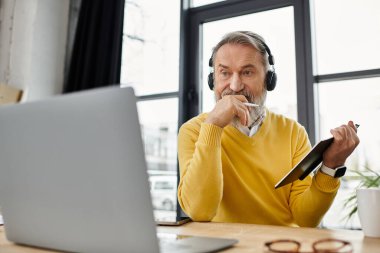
[236, 82]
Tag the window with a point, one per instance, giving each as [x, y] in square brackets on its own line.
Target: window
[357, 28]
[363, 107]
[164, 186]
[159, 123]
[164, 194]
[348, 89]
[197, 3]
[322, 88]
[150, 55]
[333, 65]
[277, 28]
[150, 64]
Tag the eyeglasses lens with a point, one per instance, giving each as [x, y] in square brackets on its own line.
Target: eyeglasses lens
[332, 246]
[284, 246]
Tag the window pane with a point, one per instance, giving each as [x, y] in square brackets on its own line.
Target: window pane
[150, 57]
[277, 28]
[159, 132]
[339, 102]
[347, 35]
[197, 3]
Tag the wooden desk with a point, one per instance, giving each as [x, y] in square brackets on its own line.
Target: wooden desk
[251, 237]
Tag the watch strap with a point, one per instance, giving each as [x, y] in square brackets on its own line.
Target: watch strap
[335, 173]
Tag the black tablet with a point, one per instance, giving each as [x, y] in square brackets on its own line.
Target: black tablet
[308, 164]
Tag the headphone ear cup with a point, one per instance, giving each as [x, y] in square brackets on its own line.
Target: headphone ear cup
[271, 80]
[210, 81]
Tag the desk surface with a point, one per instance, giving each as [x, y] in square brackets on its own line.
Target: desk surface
[251, 237]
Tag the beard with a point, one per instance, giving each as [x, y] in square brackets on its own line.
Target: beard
[256, 114]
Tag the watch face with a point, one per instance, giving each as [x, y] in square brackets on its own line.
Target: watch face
[340, 172]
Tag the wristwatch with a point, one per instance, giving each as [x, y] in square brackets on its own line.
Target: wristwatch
[335, 173]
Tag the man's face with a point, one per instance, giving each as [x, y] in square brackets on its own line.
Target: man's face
[239, 71]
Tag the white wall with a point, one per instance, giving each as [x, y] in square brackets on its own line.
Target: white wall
[32, 45]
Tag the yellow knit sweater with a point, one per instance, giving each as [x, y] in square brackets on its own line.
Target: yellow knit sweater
[227, 176]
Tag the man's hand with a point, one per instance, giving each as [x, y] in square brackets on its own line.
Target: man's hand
[345, 141]
[226, 109]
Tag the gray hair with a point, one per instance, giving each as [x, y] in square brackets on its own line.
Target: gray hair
[243, 38]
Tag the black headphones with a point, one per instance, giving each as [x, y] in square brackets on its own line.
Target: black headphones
[270, 78]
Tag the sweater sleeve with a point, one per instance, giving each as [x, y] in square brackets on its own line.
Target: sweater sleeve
[200, 188]
[311, 198]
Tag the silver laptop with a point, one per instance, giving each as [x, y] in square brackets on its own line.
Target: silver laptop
[73, 176]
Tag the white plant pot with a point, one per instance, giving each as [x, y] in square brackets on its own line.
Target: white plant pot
[369, 210]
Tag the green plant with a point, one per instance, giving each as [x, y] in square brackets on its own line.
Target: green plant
[367, 178]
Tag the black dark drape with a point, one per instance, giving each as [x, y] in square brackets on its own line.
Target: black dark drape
[96, 55]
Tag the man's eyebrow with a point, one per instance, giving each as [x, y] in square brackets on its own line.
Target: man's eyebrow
[223, 66]
[248, 66]
[243, 67]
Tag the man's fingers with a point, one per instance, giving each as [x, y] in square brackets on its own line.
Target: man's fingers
[338, 136]
[345, 136]
[242, 113]
[347, 131]
[345, 142]
[353, 126]
[227, 108]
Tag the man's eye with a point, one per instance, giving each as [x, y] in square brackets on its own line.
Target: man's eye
[247, 72]
[224, 73]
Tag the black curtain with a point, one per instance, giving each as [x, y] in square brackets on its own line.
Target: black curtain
[96, 55]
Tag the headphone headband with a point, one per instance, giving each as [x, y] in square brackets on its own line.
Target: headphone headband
[270, 56]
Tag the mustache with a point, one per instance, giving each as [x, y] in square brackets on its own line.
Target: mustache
[245, 93]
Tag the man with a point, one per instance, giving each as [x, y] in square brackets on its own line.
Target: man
[231, 158]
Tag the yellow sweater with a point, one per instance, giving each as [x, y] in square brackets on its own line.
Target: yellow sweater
[227, 176]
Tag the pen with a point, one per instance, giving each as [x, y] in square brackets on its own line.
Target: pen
[251, 104]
